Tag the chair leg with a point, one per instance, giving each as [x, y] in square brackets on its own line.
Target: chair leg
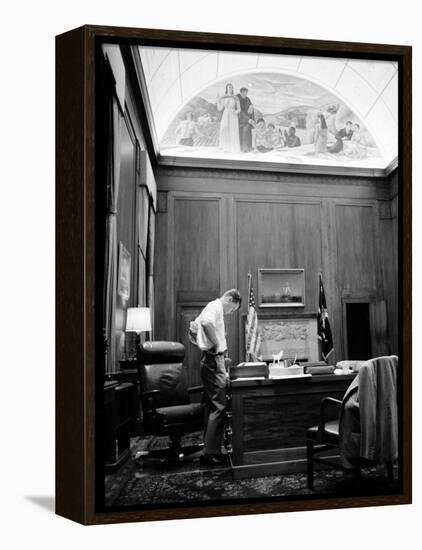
[390, 471]
[310, 463]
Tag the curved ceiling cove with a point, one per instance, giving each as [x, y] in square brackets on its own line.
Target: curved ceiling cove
[272, 108]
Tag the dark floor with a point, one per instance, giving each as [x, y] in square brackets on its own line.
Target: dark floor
[153, 481]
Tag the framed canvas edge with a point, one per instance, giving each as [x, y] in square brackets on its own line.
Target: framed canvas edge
[75, 371]
[247, 508]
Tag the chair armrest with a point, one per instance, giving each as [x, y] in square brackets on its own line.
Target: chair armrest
[324, 404]
[148, 399]
[150, 393]
[195, 389]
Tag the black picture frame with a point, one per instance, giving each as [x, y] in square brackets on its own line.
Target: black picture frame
[79, 339]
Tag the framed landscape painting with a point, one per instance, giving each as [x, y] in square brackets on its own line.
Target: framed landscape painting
[281, 287]
[193, 170]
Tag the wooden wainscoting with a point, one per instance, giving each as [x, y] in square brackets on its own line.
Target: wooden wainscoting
[218, 227]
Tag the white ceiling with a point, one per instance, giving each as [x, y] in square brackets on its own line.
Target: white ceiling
[173, 77]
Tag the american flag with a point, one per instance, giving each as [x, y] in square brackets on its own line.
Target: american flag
[324, 329]
[252, 333]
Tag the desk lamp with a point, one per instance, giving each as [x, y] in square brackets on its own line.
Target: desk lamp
[138, 320]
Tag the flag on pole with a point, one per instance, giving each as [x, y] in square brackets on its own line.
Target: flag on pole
[324, 329]
[252, 333]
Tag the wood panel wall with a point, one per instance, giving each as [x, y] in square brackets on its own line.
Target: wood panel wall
[127, 223]
[213, 227]
[196, 243]
[389, 229]
[132, 209]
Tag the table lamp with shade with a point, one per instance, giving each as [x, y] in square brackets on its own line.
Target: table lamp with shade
[138, 319]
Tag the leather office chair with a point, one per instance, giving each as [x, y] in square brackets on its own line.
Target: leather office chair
[165, 398]
[365, 427]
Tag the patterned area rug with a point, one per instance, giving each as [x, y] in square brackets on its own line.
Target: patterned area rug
[157, 482]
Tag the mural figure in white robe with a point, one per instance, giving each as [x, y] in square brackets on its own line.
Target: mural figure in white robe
[229, 125]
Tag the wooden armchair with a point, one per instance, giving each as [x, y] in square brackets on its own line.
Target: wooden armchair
[364, 426]
[322, 437]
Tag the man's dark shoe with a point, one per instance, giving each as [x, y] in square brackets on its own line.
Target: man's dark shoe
[213, 460]
[223, 458]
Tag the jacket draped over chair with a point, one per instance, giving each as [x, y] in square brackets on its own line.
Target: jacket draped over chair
[368, 423]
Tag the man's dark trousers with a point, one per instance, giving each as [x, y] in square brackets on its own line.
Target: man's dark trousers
[214, 379]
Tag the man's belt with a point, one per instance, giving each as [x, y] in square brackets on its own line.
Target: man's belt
[214, 354]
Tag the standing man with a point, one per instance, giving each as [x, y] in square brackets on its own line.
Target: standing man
[213, 373]
[246, 114]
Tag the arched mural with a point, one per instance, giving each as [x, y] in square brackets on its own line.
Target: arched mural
[273, 117]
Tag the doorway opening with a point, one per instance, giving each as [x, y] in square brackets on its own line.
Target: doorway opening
[358, 331]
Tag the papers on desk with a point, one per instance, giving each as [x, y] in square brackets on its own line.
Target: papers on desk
[249, 378]
[279, 377]
[286, 376]
[277, 371]
[252, 364]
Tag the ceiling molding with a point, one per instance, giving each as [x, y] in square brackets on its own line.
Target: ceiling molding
[394, 164]
[228, 164]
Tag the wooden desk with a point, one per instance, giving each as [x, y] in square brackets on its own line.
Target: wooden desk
[129, 373]
[269, 421]
[119, 399]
